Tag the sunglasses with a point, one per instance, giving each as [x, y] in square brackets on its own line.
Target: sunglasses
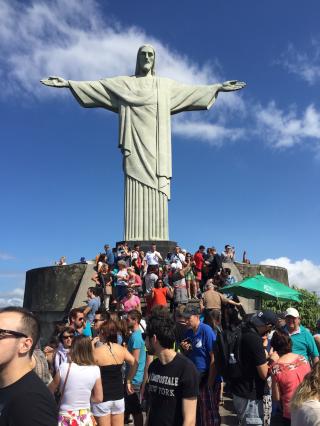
[97, 320]
[68, 337]
[8, 333]
[80, 319]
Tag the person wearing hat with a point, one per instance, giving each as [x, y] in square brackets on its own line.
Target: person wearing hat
[198, 346]
[213, 300]
[303, 342]
[248, 389]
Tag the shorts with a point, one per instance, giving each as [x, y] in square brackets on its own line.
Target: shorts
[132, 402]
[78, 417]
[108, 407]
[198, 275]
[249, 411]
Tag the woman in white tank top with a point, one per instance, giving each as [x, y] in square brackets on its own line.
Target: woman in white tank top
[80, 383]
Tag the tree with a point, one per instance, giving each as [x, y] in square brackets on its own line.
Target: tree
[309, 307]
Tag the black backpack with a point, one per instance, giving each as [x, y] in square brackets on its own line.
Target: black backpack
[227, 352]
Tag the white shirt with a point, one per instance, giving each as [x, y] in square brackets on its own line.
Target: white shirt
[134, 255]
[307, 415]
[152, 258]
[178, 258]
[80, 383]
[120, 277]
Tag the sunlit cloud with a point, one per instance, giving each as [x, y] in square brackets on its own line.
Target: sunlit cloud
[302, 273]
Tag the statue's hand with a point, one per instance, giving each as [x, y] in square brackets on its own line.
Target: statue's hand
[230, 86]
[55, 82]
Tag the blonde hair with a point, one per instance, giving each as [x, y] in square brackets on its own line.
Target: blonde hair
[81, 352]
[308, 389]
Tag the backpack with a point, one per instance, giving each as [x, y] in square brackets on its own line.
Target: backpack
[228, 352]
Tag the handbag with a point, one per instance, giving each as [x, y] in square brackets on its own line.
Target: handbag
[64, 386]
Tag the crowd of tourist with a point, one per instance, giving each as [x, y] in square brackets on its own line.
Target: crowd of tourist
[156, 343]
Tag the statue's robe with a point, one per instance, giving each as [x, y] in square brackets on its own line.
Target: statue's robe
[144, 105]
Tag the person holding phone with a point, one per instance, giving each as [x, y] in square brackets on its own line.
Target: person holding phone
[198, 347]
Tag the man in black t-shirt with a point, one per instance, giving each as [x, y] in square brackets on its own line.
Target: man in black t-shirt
[24, 399]
[248, 390]
[173, 381]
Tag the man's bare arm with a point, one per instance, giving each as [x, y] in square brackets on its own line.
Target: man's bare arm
[263, 371]
[189, 410]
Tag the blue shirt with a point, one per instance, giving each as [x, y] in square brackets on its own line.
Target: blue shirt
[94, 305]
[110, 257]
[303, 343]
[86, 331]
[203, 341]
[136, 342]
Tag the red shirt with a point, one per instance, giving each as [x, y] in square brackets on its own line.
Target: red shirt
[135, 280]
[289, 376]
[198, 260]
[159, 296]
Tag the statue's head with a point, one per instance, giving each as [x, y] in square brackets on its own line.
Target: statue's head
[145, 60]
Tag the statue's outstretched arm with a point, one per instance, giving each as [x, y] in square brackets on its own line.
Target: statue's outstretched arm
[232, 85]
[55, 82]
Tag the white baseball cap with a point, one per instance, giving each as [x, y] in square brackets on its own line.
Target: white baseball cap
[292, 312]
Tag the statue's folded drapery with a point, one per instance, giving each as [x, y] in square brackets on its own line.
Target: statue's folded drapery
[144, 106]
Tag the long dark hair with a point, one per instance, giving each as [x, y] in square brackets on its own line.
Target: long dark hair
[109, 331]
[281, 342]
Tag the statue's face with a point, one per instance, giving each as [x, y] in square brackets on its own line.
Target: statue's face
[146, 59]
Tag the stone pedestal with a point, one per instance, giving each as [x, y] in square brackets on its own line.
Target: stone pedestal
[163, 247]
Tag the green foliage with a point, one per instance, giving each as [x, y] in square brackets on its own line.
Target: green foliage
[309, 307]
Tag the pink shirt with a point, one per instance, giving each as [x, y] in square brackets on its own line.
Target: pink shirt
[288, 376]
[129, 304]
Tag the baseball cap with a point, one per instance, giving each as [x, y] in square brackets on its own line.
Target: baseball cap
[264, 318]
[191, 310]
[292, 312]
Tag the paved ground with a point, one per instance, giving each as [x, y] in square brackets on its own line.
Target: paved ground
[228, 418]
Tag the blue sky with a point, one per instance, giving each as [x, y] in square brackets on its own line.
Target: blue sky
[245, 173]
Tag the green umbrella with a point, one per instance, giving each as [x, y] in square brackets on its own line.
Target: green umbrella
[261, 286]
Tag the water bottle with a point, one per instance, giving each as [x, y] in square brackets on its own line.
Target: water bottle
[232, 359]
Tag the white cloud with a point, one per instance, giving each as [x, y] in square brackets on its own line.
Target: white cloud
[304, 64]
[6, 256]
[287, 129]
[68, 38]
[302, 273]
[214, 134]
[12, 298]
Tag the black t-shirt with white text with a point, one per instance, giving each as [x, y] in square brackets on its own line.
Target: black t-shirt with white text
[168, 384]
[27, 402]
[250, 385]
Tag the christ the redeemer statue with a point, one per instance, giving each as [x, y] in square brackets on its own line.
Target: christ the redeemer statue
[144, 103]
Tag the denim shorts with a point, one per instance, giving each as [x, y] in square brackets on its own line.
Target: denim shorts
[249, 411]
[108, 407]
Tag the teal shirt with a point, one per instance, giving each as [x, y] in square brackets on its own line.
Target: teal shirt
[304, 344]
[136, 342]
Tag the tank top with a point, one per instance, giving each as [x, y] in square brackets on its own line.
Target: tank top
[112, 383]
[180, 288]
